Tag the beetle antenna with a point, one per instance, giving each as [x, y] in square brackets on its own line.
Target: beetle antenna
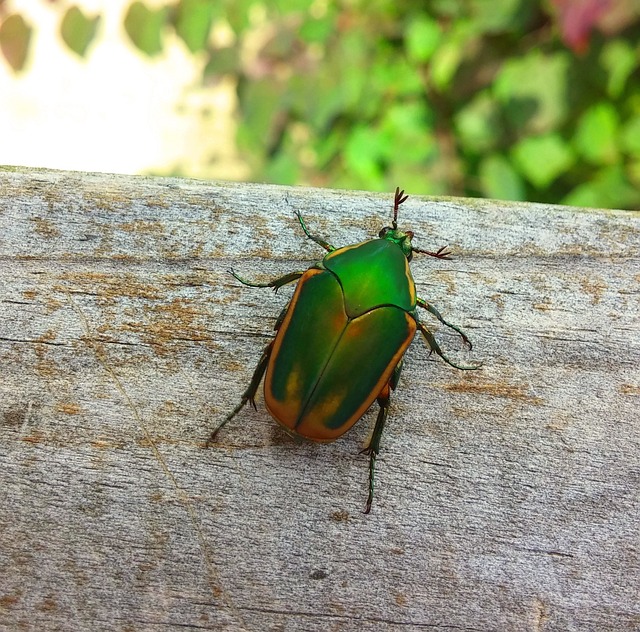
[399, 199]
[443, 253]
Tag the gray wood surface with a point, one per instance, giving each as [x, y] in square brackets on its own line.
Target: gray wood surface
[506, 499]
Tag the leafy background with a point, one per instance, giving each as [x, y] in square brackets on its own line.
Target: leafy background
[509, 99]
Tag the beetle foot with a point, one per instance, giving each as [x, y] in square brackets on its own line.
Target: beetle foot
[434, 312]
[372, 452]
[372, 466]
[212, 437]
[435, 347]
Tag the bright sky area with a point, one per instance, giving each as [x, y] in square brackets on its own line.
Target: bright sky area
[116, 110]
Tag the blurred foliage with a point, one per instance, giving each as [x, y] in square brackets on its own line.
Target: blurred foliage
[517, 99]
[15, 37]
[78, 30]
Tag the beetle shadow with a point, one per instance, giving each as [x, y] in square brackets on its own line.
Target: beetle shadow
[279, 435]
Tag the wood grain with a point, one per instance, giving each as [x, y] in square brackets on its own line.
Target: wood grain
[506, 499]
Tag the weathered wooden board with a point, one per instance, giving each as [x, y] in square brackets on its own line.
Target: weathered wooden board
[507, 499]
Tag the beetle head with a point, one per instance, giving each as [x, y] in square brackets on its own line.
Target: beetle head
[403, 239]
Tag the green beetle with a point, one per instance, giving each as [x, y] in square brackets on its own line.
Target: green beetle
[340, 341]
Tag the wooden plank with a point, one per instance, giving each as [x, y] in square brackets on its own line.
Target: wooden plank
[507, 498]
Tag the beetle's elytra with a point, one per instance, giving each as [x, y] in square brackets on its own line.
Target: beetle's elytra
[340, 341]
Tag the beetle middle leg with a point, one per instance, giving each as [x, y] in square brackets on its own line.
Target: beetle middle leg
[373, 446]
[433, 311]
[435, 347]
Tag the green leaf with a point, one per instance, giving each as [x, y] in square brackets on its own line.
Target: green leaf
[533, 90]
[394, 75]
[261, 103]
[363, 151]
[15, 37]
[619, 59]
[350, 66]
[144, 27]
[193, 22]
[444, 64]
[541, 159]
[414, 178]
[477, 124]
[283, 168]
[422, 37]
[630, 136]
[493, 17]
[284, 7]
[223, 61]
[596, 134]
[327, 146]
[633, 173]
[499, 180]
[407, 128]
[315, 99]
[448, 8]
[238, 14]
[78, 30]
[610, 188]
[449, 55]
[318, 30]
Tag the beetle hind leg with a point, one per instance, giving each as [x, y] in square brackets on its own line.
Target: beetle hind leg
[373, 446]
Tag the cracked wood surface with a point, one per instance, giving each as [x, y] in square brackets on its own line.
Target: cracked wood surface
[506, 499]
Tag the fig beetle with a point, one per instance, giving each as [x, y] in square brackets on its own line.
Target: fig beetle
[340, 341]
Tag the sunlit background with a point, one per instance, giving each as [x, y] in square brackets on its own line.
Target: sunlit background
[509, 99]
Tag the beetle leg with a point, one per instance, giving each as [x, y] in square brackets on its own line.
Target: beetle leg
[432, 310]
[276, 284]
[441, 253]
[250, 394]
[321, 242]
[395, 378]
[373, 447]
[434, 346]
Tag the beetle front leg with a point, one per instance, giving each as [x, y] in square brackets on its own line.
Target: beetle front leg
[432, 310]
[321, 242]
[276, 284]
[435, 347]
